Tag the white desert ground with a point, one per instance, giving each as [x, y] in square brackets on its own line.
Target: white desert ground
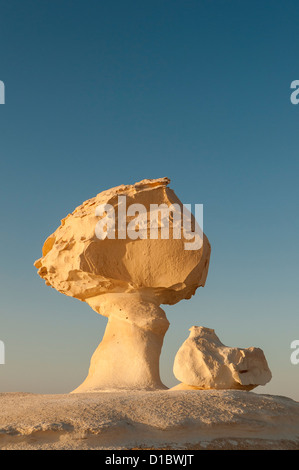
[199, 419]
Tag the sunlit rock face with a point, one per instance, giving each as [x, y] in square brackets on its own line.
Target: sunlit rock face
[125, 275]
[203, 362]
[78, 264]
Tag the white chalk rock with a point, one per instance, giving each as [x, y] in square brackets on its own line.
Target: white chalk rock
[79, 264]
[128, 356]
[125, 277]
[203, 362]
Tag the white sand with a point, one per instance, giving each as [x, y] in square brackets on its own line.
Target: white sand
[205, 419]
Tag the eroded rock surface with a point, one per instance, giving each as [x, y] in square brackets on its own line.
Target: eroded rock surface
[201, 419]
[78, 264]
[203, 362]
[125, 279]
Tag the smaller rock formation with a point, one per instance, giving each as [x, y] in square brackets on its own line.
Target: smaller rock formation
[203, 362]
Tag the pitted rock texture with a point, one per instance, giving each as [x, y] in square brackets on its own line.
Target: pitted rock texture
[203, 362]
[78, 264]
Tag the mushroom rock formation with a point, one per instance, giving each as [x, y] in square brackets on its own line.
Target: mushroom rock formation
[126, 278]
[203, 362]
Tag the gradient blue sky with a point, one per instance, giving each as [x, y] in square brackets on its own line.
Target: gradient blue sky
[104, 93]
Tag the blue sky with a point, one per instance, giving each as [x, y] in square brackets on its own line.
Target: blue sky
[104, 93]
